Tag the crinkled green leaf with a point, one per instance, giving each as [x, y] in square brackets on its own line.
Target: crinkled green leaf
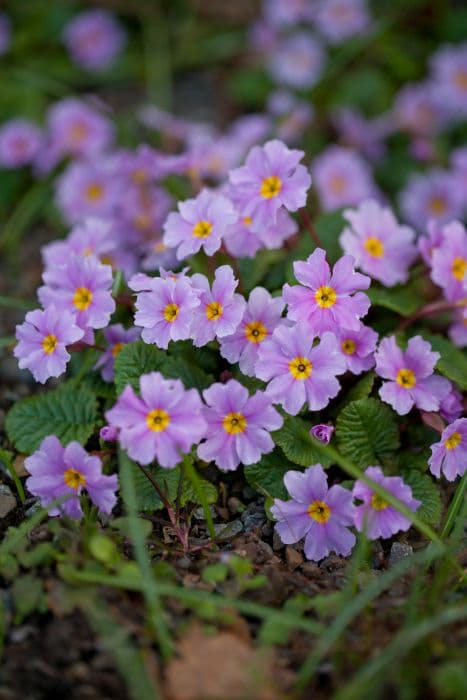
[404, 299]
[367, 433]
[134, 360]
[453, 362]
[168, 481]
[424, 488]
[361, 389]
[68, 412]
[266, 476]
[297, 444]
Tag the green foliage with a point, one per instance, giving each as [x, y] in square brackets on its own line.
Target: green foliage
[168, 481]
[140, 358]
[298, 445]
[424, 488]
[404, 299]
[267, 475]
[453, 362]
[361, 389]
[28, 596]
[68, 412]
[367, 433]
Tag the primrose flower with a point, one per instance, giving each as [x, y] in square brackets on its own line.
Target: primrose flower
[357, 348]
[270, 179]
[165, 312]
[58, 471]
[43, 338]
[338, 20]
[375, 516]
[261, 317]
[94, 39]
[433, 239]
[410, 374]
[363, 135]
[382, 248]
[435, 195]
[282, 14]
[342, 178]
[220, 309]
[449, 455]
[20, 141]
[320, 514]
[458, 330]
[417, 110]
[242, 242]
[449, 262]
[92, 236]
[452, 406]
[322, 432]
[166, 421]
[87, 190]
[76, 129]
[238, 425]
[298, 61]
[82, 286]
[200, 223]
[327, 301]
[297, 370]
[449, 73]
[116, 336]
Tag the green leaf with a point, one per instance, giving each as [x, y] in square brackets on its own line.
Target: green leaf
[403, 299]
[134, 360]
[367, 433]
[424, 488]
[297, 444]
[168, 482]
[361, 389]
[68, 412]
[267, 475]
[140, 358]
[453, 362]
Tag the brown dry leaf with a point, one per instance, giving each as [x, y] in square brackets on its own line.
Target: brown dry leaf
[223, 667]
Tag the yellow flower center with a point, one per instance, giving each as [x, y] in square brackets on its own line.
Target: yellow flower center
[234, 423]
[452, 441]
[247, 220]
[459, 266]
[78, 132]
[82, 298]
[437, 206]
[159, 247]
[349, 346]
[171, 312]
[88, 251]
[49, 343]
[325, 297]
[213, 311]
[300, 368]
[461, 79]
[142, 221]
[140, 175]
[94, 192]
[378, 503]
[270, 187]
[74, 479]
[202, 229]
[374, 247]
[117, 348]
[157, 420]
[337, 184]
[406, 378]
[255, 332]
[319, 511]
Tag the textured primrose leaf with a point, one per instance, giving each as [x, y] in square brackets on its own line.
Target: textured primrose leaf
[140, 358]
[147, 498]
[424, 488]
[266, 476]
[298, 445]
[134, 360]
[68, 412]
[453, 362]
[404, 299]
[367, 433]
[361, 389]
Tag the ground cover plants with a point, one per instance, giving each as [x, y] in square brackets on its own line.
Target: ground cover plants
[233, 297]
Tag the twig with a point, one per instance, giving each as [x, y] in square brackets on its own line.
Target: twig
[431, 309]
[308, 224]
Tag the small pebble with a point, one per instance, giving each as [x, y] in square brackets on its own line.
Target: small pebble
[399, 551]
[225, 531]
[293, 558]
[7, 500]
